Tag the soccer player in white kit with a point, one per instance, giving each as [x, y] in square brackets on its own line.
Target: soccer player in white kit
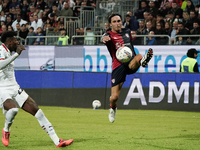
[12, 97]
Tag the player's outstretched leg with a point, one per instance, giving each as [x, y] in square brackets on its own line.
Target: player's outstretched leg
[112, 114]
[145, 60]
[47, 126]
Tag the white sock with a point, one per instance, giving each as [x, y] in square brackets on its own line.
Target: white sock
[47, 126]
[10, 115]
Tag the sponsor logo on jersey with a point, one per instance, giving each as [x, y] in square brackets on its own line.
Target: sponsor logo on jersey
[127, 35]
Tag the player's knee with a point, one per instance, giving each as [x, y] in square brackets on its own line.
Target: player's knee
[14, 110]
[114, 98]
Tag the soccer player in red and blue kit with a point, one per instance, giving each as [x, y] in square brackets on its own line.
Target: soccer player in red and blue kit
[114, 39]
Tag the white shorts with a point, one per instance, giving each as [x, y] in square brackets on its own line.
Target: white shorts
[13, 92]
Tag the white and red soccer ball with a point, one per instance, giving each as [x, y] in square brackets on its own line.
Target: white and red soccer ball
[124, 54]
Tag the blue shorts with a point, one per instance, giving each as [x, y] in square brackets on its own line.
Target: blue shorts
[119, 74]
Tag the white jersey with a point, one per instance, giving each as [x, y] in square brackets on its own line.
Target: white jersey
[7, 74]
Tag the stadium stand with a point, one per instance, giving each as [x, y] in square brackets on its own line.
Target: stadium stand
[93, 14]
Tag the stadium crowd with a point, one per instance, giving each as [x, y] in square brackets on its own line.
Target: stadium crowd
[153, 17]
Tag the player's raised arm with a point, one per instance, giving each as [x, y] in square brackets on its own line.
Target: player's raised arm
[9, 45]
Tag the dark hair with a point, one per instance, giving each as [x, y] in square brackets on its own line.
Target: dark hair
[7, 34]
[191, 52]
[112, 15]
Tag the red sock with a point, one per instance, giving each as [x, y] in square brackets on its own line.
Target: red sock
[113, 107]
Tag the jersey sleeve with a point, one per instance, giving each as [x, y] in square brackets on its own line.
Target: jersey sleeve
[2, 54]
[6, 61]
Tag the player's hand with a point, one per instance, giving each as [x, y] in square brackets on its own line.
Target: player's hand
[106, 39]
[20, 48]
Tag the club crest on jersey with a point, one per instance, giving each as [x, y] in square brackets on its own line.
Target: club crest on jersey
[127, 35]
[113, 80]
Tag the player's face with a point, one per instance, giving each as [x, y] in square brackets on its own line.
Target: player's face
[116, 24]
[13, 44]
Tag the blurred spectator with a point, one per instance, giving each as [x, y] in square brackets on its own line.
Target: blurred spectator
[57, 2]
[10, 28]
[51, 20]
[37, 22]
[186, 19]
[56, 23]
[135, 40]
[13, 5]
[3, 29]
[18, 28]
[64, 39]
[190, 6]
[151, 40]
[5, 7]
[165, 7]
[55, 10]
[152, 8]
[33, 3]
[160, 31]
[141, 31]
[89, 39]
[160, 19]
[168, 28]
[182, 31]
[31, 19]
[134, 24]
[70, 2]
[110, 6]
[39, 41]
[149, 28]
[41, 3]
[193, 18]
[31, 32]
[66, 11]
[49, 3]
[77, 8]
[152, 19]
[197, 10]
[126, 22]
[194, 31]
[39, 12]
[45, 13]
[78, 40]
[18, 21]
[106, 27]
[23, 33]
[177, 11]
[139, 12]
[145, 14]
[170, 17]
[24, 10]
[174, 30]
[179, 2]
[91, 3]
[3, 16]
[32, 11]
[8, 20]
[180, 41]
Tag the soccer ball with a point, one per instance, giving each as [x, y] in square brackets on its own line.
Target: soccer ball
[96, 104]
[124, 54]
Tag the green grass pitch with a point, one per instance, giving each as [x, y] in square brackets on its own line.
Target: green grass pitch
[91, 130]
